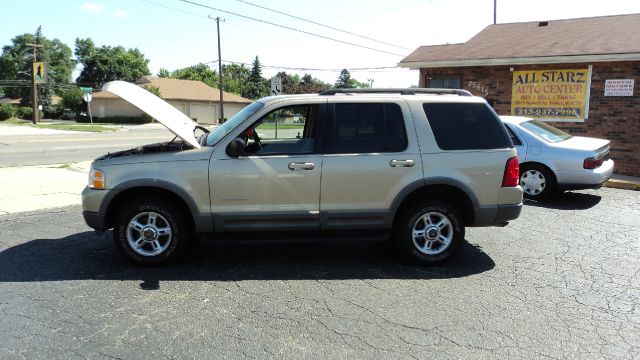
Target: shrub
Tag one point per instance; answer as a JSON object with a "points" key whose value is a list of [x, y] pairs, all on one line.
{"points": [[24, 112], [6, 111], [72, 99], [54, 111], [116, 119]]}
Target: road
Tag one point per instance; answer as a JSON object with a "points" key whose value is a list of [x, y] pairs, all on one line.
{"points": [[71, 147], [562, 281]]}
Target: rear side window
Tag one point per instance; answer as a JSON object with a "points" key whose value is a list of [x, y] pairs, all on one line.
{"points": [[459, 126], [512, 135], [366, 128]]}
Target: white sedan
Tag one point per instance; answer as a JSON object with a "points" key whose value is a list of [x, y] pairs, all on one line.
{"points": [[553, 160]]}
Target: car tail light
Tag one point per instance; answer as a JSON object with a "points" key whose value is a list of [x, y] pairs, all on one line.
{"points": [[592, 162], [511, 176]]}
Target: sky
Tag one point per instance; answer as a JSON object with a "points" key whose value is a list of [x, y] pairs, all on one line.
{"points": [[375, 34]]}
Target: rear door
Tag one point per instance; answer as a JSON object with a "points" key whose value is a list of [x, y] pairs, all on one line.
{"points": [[368, 159]]}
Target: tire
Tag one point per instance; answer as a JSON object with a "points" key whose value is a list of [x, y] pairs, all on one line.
{"points": [[537, 182], [151, 231], [429, 232]]}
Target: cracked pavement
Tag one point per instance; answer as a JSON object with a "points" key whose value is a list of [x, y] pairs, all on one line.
{"points": [[562, 281]]}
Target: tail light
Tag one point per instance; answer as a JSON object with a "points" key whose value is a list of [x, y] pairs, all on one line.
{"points": [[592, 162], [511, 176]]}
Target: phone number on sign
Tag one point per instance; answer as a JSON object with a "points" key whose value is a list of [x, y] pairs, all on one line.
{"points": [[547, 112]]}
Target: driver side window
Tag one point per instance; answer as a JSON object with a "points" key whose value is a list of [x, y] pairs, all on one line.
{"points": [[287, 130]]}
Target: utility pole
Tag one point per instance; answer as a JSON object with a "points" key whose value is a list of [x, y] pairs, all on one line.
{"points": [[370, 80], [35, 117], [495, 5], [220, 72]]}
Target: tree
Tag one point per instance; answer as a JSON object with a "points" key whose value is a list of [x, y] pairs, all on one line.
{"points": [[294, 84], [290, 83], [235, 79], [106, 63], [344, 80], [72, 99], [200, 72], [257, 84], [153, 89], [15, 64], [164, 73], [310, 85]]}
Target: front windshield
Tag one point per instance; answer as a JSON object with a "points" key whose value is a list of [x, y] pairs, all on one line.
{"points": [[545, 131], [217, 134]]}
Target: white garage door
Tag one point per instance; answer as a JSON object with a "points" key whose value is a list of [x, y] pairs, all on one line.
{"points": [[179, 106], [204, 114], [232, 109]]}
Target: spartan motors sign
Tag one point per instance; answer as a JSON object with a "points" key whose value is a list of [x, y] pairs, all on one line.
{"points": [[556, 95]]}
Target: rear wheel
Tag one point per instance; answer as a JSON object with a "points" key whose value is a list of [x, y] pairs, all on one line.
{"points": [[429, 233], [537, 182], [151, 231]]}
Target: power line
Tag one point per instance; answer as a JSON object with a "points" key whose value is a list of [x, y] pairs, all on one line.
{"points": [[311, 69], [290, 28], [249, 65], [319, 24], [176, 9]]}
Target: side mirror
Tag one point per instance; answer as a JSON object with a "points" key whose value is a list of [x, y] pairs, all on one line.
{"points": [[235, 148]]}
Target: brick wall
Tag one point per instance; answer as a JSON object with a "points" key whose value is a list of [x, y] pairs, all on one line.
{"points": [[613, 118]]}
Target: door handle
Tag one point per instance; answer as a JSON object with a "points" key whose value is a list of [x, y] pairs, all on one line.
{"points": [[402, 163], [301, 166]]}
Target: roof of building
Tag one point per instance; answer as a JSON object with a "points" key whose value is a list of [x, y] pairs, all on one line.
{"points": [[604, 38], [7, 100], [189, 90]]}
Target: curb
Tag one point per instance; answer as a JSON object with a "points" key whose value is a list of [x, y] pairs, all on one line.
{"points": [[622, 184]]}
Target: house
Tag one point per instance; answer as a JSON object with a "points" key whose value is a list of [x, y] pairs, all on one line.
{"points": [[196, 99], [579, 74]]}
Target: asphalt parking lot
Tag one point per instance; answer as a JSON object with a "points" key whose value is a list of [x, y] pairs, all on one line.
{"points": [[562, 281]]}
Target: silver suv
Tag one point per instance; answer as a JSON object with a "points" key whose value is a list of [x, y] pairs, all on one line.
{"points": [[414, 166]]}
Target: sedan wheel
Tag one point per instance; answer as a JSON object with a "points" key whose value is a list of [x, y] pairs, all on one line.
{"points": [[536, 181]]}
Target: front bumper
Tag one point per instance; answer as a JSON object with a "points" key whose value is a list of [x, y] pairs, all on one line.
{"points": [[94, 220], [94, 207]]}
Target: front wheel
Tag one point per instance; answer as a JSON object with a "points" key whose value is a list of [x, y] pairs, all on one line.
{"points": [[151, 231], [429, 233]]}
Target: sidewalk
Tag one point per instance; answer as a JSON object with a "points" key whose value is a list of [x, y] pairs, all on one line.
{"points": [[28, 188]]}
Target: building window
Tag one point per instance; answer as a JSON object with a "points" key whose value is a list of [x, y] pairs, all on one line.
{"points": [[444, 82]]}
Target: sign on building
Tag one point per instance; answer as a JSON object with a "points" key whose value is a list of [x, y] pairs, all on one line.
{"points": [[276, 85], [40, 72], [555, 95], [620, 87]]}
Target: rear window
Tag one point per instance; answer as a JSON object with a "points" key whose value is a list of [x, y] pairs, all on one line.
{"points": [[459, 126], [545, 131]]}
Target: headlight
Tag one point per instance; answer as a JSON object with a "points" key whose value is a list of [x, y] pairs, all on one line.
{"points": [[97, 179]]}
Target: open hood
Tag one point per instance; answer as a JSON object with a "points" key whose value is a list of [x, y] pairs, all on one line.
{"points": [[173, 119]]}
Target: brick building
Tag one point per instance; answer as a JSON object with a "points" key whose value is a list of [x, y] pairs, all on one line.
{"points": [[504, 61]]}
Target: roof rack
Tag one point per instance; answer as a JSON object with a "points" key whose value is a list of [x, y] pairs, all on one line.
{"points": [[401, 91]]}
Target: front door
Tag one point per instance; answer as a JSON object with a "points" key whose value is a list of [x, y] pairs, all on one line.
{"points": [[276, 184]]}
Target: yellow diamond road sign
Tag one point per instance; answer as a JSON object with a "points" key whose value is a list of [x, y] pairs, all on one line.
{"points": [[40, 72]]}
